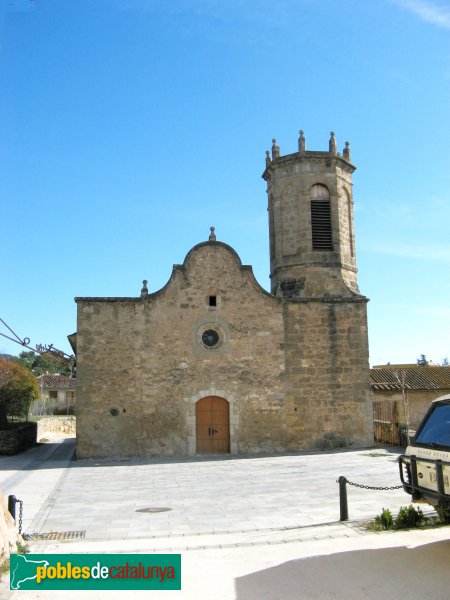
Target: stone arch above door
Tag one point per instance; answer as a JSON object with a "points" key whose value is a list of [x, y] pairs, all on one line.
{"points": [[191, 418]]}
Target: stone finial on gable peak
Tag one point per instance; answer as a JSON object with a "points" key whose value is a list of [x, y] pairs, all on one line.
{"points": [[212, 235], [144, 290], [332, 143], [346, 151], [301, 141], [268, 160], [275, 149]]}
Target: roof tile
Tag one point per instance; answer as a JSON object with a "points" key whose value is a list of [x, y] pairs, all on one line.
{"points": [[57, 382], [416, 377]]}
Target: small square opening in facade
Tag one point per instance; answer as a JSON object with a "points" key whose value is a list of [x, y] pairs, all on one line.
{"points": [[213, 301]]}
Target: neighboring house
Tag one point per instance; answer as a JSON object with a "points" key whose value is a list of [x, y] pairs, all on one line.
{"points": [[212, 363], [56, 396], [395, 386]]}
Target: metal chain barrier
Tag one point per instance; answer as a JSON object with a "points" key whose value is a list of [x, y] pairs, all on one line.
{"points": [[369, 487], [342, 481], [20, 515], [12, 501]]}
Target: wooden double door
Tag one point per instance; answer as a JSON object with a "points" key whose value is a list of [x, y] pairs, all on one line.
{"points": [[212, 415]]}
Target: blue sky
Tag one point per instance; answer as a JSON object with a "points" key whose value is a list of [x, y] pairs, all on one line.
{"points": [[129, 127]]}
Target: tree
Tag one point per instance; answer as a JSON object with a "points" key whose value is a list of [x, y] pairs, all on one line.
{"points": [[400, 376], [18, 387], [444, 362], [40, 364], [422, 361]]}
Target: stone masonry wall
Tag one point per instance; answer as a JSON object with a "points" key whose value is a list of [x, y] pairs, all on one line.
{"points": [[142, 365], [327, 374], [56, 424]]}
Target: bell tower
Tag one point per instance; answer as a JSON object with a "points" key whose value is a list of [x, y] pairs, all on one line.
{"points": [[311, 227], [328, 399]]}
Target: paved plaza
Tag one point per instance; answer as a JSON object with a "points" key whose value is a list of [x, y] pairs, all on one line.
{"points": [[228, 517], [109, 500]]}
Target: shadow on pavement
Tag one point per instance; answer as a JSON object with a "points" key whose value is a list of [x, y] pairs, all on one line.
{"points": [[46, 455], [412, 573], [49, 452]]}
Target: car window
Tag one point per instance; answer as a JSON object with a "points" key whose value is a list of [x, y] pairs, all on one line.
{"points": [[436, 429]]}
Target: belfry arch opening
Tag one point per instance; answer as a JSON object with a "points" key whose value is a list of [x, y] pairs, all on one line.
{"points": [[321, 218]]}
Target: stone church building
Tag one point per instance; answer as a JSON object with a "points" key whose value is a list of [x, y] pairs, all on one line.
{"points": [[212, 363]]}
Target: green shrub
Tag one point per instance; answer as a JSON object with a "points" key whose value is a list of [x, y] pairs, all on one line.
{"points": [[385, 520], [443, 513], [408, 516], [18, 387]]}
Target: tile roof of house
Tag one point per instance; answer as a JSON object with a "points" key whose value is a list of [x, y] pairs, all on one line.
{"points": [[58, 382], [389, 377]]}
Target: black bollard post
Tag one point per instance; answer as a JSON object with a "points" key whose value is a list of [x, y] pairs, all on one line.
{"points": [[343, 498], [12, 506]]}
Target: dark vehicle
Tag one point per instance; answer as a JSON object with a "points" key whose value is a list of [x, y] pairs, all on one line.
{"points": [[425, 466]]}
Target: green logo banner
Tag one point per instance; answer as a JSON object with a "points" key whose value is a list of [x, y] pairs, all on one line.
{"points": [[95, 572]]}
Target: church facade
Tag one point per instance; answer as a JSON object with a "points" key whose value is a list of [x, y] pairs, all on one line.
{"points": [[212, 363]]}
